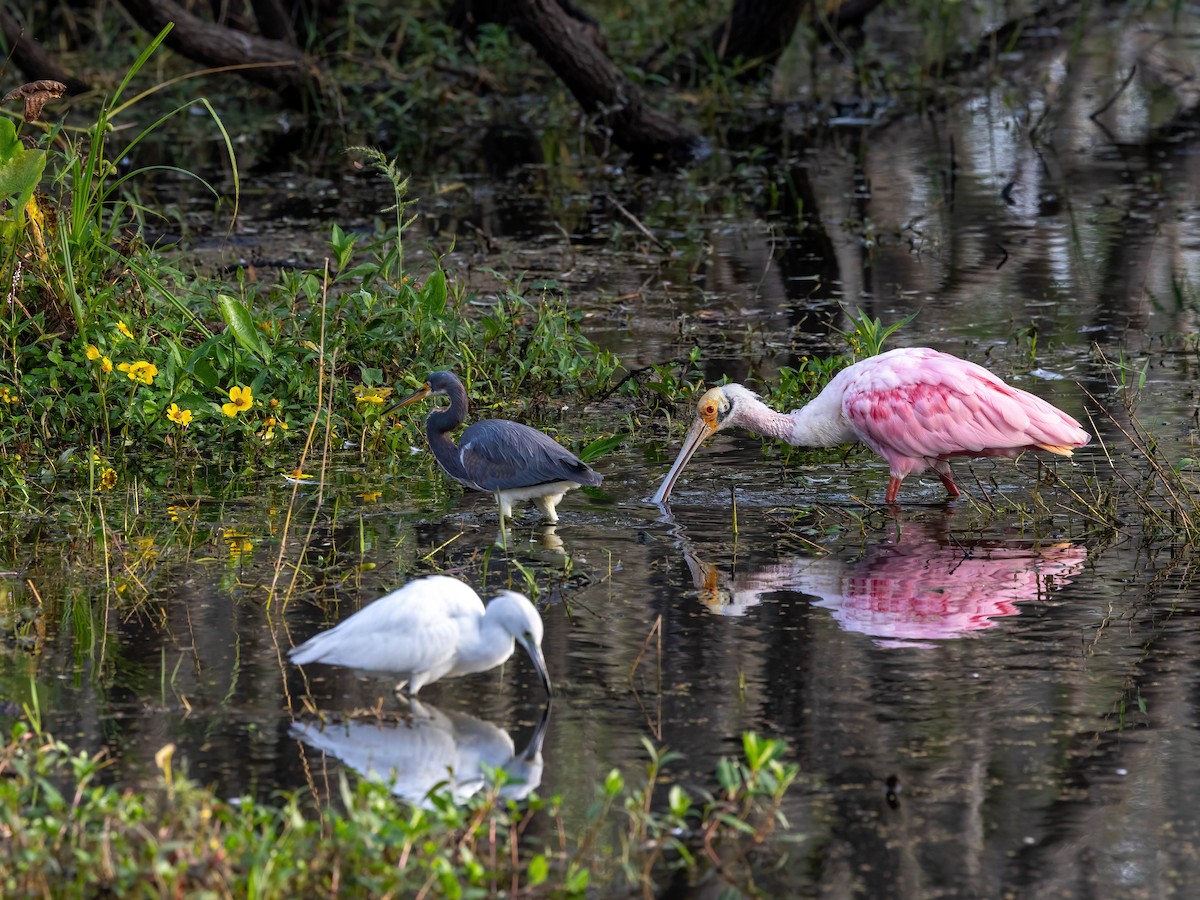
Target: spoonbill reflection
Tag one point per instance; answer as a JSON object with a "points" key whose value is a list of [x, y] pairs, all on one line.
{"points": [[434, 627], [431, 749], [915, 407], [508, 459], [920, 587]]}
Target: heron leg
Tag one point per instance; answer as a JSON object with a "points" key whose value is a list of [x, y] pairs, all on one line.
{"points": [[505, 507], [546, 504]]}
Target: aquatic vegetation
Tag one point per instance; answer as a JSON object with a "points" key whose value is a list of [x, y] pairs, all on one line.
{"points": [[64, 829], [314, 348]]}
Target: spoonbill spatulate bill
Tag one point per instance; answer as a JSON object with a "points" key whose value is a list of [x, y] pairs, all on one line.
{"points": [[917, 408], [432, 628], [508, 459]]}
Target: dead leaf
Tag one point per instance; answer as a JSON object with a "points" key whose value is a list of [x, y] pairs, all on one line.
{"points": [[36, 94]]}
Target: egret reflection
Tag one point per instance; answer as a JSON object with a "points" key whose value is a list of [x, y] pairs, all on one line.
{"points": [[921, 586], [429, 750]]}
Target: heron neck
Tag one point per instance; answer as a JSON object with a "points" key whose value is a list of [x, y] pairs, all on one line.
{"points": [[438, 425]]}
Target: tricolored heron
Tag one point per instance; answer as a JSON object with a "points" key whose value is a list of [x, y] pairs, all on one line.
{"points": [[915, 407], [511, 460], [432, 628]]}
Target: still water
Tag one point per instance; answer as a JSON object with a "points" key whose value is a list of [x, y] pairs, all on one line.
{"points": [[995, 695]]}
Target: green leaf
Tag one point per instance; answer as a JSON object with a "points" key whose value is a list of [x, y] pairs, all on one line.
{"points": [[577, 881], [241, 323], [601, 447], [538, 870], [20, 169], [735, 823], [678, 801], [613, 783], [434, 293]]}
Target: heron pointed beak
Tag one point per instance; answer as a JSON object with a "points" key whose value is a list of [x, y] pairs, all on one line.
{"points": [[697, 435], [539, 663], [420, 394]]}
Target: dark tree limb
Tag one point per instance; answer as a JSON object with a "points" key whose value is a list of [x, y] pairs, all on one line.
{"points": [[844, 14], [274, 64], [756, 33], [274, 21], [602, 89], [33, 61]]}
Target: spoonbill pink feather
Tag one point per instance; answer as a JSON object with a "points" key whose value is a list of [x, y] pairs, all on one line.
{"points": [[915, 407]]}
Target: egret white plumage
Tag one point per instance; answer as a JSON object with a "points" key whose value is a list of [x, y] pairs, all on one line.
{"points": [[508, 459], [915, 407], [432, 628]]}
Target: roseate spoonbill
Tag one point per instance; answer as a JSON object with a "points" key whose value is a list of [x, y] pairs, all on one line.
{"points": [[915, 407], [511, 460], [434, 627]]}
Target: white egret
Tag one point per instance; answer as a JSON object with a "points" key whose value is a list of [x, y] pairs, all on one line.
{"points": [[434, 627]]}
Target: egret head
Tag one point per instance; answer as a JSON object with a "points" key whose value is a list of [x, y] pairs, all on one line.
{"points": [[515, 614], [718, 408]]}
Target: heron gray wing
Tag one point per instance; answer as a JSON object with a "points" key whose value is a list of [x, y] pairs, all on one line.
{"points": [[499, 455]]}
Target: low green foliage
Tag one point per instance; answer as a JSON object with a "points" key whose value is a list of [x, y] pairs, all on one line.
{"points": [[110, 357], [66, 832]]}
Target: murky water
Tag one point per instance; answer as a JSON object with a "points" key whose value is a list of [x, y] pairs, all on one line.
{"points": [[987, 696]]}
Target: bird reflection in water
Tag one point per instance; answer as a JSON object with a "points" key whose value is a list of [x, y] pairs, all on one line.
{"points": [[918, 587], [430, 750]]}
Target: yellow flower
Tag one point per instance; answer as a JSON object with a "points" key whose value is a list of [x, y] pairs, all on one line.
{"points": [[124, 329], [108, 480], [92, 352], [7, 396], [268, 430], [240, 400], [181, 417], [106, 365], [372, 395], [371, 496], [139, 371]]}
